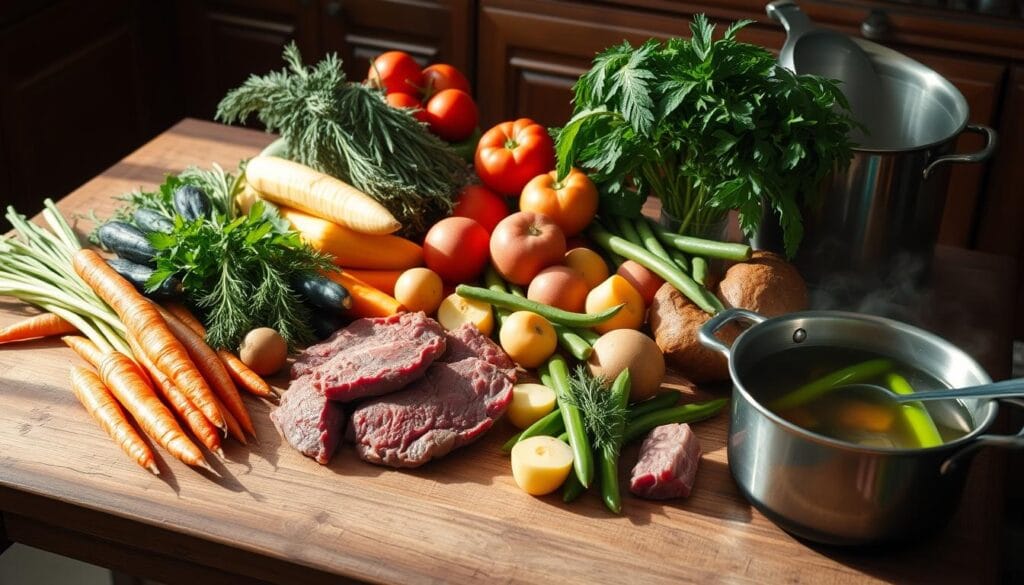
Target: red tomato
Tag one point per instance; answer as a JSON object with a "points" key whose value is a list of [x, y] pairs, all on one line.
{"points": [[512, 153], [457, 248], [480, 203], [404, 100], [442, 76], [452, 115], [396, 71]]}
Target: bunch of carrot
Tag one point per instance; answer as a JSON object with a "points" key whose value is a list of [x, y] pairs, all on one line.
{"points": [[145, 359]]}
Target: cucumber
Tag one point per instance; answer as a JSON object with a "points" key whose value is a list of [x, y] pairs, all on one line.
{"points": [[137, 274], [191, 202], [127, 241], [150, 220], [323, 293], [325, 323]]}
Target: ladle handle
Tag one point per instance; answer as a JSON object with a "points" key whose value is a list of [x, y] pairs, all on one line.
{"points": [[986, 152], [706, 335], [1009, 441], [1014, 387]]}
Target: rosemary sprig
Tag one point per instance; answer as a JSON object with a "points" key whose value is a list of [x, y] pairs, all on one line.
{"points": [[349, 131]]}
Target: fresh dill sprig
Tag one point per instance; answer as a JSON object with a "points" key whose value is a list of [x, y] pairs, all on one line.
{"points": [[349, 131], [603, 417]]}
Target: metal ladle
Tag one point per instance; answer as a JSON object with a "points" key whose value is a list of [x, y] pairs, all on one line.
{"points": [[1006, 388]]}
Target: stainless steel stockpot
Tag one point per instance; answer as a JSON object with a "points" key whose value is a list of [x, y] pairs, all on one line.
{"points": [[835, 492]]}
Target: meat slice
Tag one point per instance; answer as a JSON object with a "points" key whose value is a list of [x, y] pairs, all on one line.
{"points": [[467, 341], [668, 463], [372, 357], [308, 421], [450, 407]]}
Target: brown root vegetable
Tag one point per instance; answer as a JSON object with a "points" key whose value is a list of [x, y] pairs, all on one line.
{"points": [[765, 284], [675, 322]]}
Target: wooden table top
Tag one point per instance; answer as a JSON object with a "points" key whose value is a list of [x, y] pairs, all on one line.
{"points": [[270, 514]]}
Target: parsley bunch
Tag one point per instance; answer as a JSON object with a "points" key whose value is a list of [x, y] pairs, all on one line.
{"points": [[706, 126]]}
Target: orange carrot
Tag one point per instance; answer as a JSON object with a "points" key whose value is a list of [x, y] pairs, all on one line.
{"points": [[212, 369], [102, 406], [180, 403], [240, 373], [367, 301], [85, 349], [144, 323], [383, 280], [43, 325], [234, 429], [127, 383]]}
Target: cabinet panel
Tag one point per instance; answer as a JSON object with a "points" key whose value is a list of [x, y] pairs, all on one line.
{"points": [[223, 42], [359, 30]]}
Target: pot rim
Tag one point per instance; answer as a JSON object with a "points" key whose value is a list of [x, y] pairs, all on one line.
{"points": [[979, 429]]}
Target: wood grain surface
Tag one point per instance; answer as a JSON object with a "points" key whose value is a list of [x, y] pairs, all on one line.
{"points": [[270, 514]]}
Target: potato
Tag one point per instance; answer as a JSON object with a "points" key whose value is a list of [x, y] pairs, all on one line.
{"points": [[616, 290], [263, 350], [527, 338], [529, 403], [455, 310], [419, 289], [628, 348], [675, 322], [541, 464]]}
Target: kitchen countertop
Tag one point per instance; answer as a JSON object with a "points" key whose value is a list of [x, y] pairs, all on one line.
{"points": [[269, 514]]}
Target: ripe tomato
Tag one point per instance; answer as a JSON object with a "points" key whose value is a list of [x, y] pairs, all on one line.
{"points": [[396, 71], [456, 248], [442, 76], [452, 115], [571, 203], [525, 243], [404, 100], [512, 153], [480, 203]]}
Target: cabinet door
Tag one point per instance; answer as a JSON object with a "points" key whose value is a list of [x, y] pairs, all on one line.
{"points": [[981, 82], [532, 51], [71, 101], [223, 42], [431, 31]]}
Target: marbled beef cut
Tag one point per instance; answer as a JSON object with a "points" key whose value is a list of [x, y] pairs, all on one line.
{"points": [[367, 358], [668, 463]]}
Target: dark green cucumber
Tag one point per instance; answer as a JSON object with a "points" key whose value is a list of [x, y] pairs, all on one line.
{"points": [[191, 202], [150, 220], [127, 241], [323, 293], [138, 274], [325, 323]]}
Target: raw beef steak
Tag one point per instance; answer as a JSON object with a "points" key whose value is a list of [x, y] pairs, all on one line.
{"points": [[668, 463], [467, 341], [372, 357], [307, 420]]}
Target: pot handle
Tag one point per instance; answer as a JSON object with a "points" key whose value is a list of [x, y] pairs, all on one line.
{"points": [[706, 335], [986, 152], [1009, 441]]}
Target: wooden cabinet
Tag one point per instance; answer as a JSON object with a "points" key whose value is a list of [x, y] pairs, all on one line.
{"points": [[222, 42], [79, 89], [432, 32]]}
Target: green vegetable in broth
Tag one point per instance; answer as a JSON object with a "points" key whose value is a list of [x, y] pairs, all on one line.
{"points": [[854, 374], [918, 419]]}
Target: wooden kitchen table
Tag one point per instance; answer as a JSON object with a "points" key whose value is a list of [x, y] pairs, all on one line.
{"points": [[270, 514]]}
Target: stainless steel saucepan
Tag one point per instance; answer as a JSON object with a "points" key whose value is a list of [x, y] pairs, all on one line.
{"points": [[836, 492]]}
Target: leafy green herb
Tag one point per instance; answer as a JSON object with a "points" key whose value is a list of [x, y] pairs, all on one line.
{"points": [[707, 126], [349, 131], [603, 416]]}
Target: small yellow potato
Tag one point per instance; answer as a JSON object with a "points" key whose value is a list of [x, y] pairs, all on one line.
{"points": [[455, 310], [541, 464], [419, 289], [529, 403], [527, 338]]}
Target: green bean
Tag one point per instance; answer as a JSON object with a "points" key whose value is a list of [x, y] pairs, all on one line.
{"points": [[854, 374], [700, 269], [588, 335], [627, 230], [548, 425], [650, 241], [915, 413], [662, 400], [572, 488], [493, 281], [702, 247], [583, 460], [610, 451], [667, 270], [516, 290], [686, 413], [572, 342], [680, 259], [553, 314], [564, 437]]}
